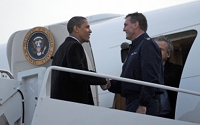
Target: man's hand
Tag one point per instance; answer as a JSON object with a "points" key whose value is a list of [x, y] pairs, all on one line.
{"points": [[141, 109], [106, 86]]}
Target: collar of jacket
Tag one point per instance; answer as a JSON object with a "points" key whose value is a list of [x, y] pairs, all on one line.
{"points": [[74, 38], [138, 39]]}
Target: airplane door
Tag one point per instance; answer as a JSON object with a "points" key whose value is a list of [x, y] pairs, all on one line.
{"points": [[91, 66]]}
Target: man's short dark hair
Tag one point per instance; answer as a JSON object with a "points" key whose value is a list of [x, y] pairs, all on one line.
{"points": [[75, 21], [139, 17]]}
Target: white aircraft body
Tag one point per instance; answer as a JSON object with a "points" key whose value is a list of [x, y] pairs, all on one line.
{"points": [[25, 78]]}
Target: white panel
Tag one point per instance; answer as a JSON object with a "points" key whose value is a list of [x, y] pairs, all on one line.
{"points": [[18, 60], [7, 89], [188, 106], [56, 112], [12, 109], [106, 99], [31, 85]]}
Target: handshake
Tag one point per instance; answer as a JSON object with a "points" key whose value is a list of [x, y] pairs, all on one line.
{"points": [[106, 86]]}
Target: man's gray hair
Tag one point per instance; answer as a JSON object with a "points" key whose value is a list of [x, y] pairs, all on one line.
{"points": [[165, 39]]}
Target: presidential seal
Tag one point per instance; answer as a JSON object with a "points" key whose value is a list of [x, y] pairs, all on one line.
{"points": [[38, 45]]}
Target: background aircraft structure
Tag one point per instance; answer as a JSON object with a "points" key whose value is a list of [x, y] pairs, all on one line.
{"points": [[25, 84]]}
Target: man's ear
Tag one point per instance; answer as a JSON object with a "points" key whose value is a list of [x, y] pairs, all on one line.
{"points": [[136, 24], [168, 55], [75, 29]]}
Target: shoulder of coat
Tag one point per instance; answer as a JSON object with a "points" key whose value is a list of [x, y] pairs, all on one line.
{"points": [[148, 38]]}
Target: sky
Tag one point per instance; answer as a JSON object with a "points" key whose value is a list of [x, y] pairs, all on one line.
{"points": [[25, 14]]}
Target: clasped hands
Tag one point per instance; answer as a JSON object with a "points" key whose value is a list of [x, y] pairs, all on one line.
{"points": [[106, 86]]}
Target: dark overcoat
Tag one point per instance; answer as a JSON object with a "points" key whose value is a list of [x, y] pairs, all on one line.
{"points": [[69, 86]]}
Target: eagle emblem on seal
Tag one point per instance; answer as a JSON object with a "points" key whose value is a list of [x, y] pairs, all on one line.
{"points": [[38, 46]]}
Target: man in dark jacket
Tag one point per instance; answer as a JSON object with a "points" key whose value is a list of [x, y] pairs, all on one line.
{"points": [[172, 75], [69, 86], [143, 62]]}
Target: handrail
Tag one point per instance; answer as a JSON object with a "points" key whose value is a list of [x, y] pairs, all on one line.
{"points": [[49, 69], [7, 72]]}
